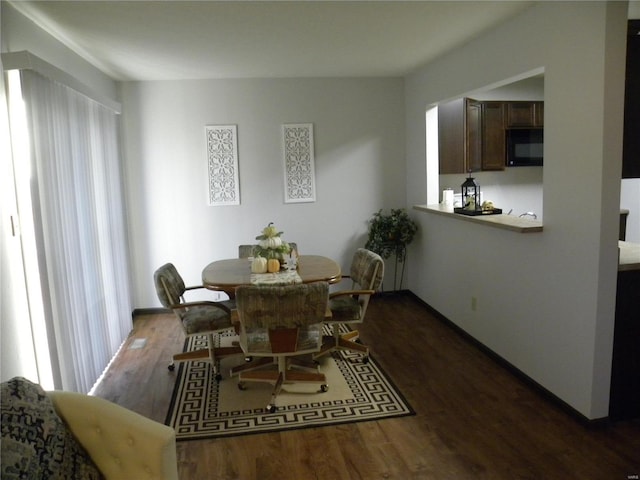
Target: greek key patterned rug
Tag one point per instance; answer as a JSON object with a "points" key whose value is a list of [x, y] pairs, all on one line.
{"points": [[203, 408]]}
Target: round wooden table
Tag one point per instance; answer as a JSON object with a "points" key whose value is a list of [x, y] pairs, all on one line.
{"points": [[226, 275]]}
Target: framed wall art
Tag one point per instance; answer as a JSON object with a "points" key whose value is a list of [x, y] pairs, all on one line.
{"points": [[299, 167], [222, 164]]}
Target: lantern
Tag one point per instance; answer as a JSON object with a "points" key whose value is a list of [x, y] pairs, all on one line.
{"points": [[471, 195]]}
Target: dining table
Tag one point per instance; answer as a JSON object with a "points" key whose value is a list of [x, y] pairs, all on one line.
{"points": [[225, 275]]}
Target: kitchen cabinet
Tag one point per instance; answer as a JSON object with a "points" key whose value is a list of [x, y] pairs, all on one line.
{"points": [[493, 136], [525, 114], [459, 136], [631, 139], [472, 134]]}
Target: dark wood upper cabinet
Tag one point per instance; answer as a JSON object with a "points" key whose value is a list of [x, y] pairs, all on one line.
{"points": [[451, 142], [472, 134], [493, 136], [525, 114], [459, 136], [631, 139]]}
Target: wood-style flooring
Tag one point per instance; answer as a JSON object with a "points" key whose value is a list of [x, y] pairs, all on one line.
{"points": [[474, 418]]}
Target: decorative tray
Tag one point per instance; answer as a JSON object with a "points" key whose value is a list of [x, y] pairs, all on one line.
{"points": [[475, 213]]}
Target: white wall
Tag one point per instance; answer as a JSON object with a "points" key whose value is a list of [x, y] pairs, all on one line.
{"points": [[359, 159], [545, 301]]}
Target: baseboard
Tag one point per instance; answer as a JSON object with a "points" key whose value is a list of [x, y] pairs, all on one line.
{"points": [[590, 423], [396, 292], [149, 311]]}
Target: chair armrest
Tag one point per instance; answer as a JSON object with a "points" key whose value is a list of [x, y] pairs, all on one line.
{"points": [[202, 287], [342, 293], [194, 287], [122, 443], [202, 303]]}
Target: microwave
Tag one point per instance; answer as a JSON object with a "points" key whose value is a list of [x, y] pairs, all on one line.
{"points": [[524, 147]]}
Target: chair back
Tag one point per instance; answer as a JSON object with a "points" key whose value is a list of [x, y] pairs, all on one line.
{"points": [[367, 272], [246, 251], [367, 269], [169, 285], [281, 319]]}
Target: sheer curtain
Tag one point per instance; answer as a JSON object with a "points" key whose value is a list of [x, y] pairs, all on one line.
{"points": [[80, 228]]}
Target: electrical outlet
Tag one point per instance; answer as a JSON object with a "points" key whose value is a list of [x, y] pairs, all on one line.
{"points": [[474, 303]]}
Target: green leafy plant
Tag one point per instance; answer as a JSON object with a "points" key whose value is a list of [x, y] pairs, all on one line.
{"points": [[389, 235]]}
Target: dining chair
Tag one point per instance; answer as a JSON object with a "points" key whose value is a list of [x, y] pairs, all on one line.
{"points": [[246, 251], [204, 318], [350, 306], [280, 323]]}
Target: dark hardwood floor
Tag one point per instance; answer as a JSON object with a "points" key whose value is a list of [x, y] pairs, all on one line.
{"points": [[474, 418]]}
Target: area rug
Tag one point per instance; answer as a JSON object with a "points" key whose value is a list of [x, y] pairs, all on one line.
{"points": [[203, 408]]}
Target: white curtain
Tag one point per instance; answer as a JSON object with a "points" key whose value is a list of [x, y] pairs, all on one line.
{"points": [[80, 227]]}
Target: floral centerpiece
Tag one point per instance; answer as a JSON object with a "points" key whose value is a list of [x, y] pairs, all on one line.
{"points": [[271, 246]]}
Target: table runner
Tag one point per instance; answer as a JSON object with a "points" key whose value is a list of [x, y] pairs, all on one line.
{"points": [[285, 277]]}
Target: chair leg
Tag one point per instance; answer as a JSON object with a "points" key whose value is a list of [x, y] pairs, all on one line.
{"points": [[280, 374], [212, 357], [211, 353], [271, 407], [252, 365], [344, 341]]}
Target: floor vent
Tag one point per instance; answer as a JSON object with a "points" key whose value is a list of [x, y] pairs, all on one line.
{"points": [[138, 343]]}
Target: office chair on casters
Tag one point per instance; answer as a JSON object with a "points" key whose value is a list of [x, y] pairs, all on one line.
{"points": [[350, 306], [196, 318], [246, 251], [280, 323]]}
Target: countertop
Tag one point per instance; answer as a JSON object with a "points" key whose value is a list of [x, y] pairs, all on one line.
{"points": [[505, 222], [629, 256]]}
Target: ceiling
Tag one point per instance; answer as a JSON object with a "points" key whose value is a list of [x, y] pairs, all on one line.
{"points": [[173, 40]]}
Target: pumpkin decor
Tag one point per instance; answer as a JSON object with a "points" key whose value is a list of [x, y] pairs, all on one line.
{"points": [[271, 246], [273, 265], [259, 265]]}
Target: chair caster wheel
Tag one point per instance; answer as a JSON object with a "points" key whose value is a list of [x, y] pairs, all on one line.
{"points": [[271, 408], [241, 386], [218, 377], [324, 388], [171, 367]]}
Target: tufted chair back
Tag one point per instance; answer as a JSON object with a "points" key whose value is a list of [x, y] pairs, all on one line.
{"points": [[263, 309], [367, 269], [246, 251], [169, 285]]}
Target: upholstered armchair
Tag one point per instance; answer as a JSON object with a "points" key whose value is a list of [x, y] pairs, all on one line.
{"points": [[279, 323], [349, 307], [196, 318]]}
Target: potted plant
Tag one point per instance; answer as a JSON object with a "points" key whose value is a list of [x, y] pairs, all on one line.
{"points": [[389, 235]]}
